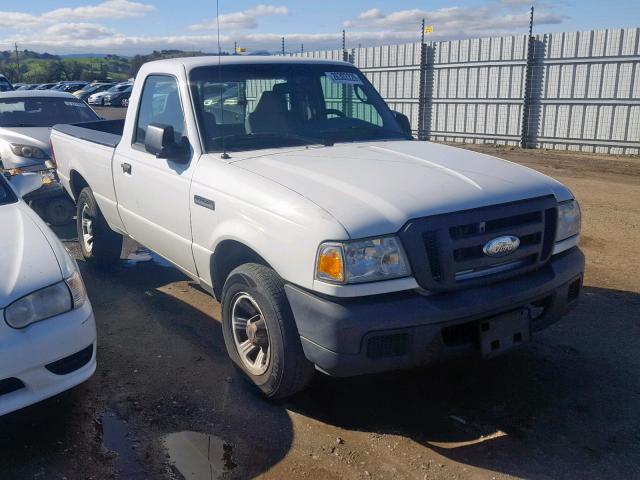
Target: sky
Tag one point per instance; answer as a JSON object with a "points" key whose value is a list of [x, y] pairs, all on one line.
{"points": [[139, 26]]}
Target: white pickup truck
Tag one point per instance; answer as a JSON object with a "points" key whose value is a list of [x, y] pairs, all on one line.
{"points": [[291, 192]]}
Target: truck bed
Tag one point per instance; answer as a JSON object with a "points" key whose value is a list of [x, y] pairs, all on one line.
{"points": [[85, 151], [102, 132]]}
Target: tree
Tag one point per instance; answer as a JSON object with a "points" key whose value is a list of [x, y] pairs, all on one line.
{"points": [[135, 63], [74, 69], [56, 71]]}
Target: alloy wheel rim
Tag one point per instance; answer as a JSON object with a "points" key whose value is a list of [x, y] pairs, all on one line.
{"points": [[250, 334], [87, 229]]}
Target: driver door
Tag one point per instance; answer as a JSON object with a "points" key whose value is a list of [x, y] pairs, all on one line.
{"points": [[153, 193]]}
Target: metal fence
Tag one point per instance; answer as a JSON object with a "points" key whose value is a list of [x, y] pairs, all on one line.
{"points": [[570, 90]]}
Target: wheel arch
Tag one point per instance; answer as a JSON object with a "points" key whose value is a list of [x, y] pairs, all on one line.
{"points": [[76, 184], [228, 255]]}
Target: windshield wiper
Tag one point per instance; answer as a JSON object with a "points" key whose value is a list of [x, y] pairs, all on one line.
{"points": [[17, 125], [257, 136]]}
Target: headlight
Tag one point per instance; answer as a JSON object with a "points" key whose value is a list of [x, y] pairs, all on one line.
{"points": [[360, 261], [28, 151], [569, 219], [47, 302]]}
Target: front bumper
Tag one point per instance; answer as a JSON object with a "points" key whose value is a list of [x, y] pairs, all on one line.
{"points": [[29, 358], [407, 329]]}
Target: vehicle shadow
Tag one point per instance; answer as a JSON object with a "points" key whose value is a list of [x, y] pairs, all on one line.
{"points": [[164, 348], [564, 406], [162, 369]]}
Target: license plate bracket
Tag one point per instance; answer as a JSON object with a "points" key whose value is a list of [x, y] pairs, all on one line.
{"points": [[503, 332]]}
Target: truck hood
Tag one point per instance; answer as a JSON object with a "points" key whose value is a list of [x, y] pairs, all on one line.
{"points": [[374, 188], [27, 259], [33, 136]]}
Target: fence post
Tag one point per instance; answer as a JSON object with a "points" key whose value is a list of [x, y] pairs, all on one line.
{"points": [[421, 91], [528, 88]]}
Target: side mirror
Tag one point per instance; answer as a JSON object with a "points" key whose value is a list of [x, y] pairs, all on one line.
{"points": [[159, 140], [404, 123], [26, 183]]}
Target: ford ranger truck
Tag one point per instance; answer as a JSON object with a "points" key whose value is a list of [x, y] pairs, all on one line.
{"points": [[335, 242]]}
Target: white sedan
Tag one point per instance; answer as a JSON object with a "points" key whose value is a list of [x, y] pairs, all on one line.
{"points": [[47, 328], [26, 118]]}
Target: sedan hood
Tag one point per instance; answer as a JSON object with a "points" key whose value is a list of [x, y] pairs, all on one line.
{"points": [[375, 188], [27, 260], [33, 136]]}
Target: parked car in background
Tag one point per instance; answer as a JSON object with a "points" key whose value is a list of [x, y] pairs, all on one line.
{"points": [[98, 98], [27, 86], [26, 118], [92, 89], [46, 86], [332, 239], [69, 86], [47, 327], [5, 84], [119, 98]]}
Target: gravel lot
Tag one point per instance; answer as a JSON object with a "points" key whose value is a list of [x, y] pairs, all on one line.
{"points": [[565, 406]]}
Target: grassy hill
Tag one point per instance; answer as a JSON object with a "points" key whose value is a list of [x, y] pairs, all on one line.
{"points": [[43, 67]]}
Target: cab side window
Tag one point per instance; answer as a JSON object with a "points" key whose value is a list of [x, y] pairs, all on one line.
{"points": [[160, 103]]}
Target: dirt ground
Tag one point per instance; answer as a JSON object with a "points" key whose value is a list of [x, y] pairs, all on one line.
{"points": [[564, 406]]}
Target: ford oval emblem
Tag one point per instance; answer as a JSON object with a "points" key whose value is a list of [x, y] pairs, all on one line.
{"points": [[501, 246]]}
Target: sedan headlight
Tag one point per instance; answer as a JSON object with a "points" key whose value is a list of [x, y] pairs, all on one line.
{"points": [[569, 220], [48, 302], [360, 261], [28, 151]]}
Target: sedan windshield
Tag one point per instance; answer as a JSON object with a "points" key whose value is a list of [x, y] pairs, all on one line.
{"points": [[119, 88], [43, 111], [242, 107]]}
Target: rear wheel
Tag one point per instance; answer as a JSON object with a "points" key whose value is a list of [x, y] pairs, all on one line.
{"points": [[260, 332], [100, 245]]}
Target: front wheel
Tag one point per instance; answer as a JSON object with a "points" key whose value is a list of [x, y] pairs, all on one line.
{"points": [[260, 332], [99, 244]]}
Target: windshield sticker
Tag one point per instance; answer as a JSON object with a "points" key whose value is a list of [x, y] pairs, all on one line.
{"points": [[74, 104], [344, 78]]}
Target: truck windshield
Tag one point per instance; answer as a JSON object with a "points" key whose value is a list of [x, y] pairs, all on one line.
{"points": [[43, 111], [242, 107]]}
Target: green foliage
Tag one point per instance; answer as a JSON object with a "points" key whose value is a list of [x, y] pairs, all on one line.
{"points": [[45, 68]]}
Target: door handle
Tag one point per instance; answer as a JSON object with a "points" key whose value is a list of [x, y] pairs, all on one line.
{"points": [[126, 168]]}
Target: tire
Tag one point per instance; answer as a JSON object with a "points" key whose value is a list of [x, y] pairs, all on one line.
{"points": [[287, 371], [59, 211], [105, 246]]}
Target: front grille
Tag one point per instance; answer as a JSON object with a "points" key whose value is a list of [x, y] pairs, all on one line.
{"points": [[10, 385], [446, 251], [72, 362]]}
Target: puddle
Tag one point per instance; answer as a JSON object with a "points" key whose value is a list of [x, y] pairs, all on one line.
{"points": [[117, 438], [199, 456]]}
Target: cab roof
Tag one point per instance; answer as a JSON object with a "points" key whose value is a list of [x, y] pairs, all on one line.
{"points": [[190, 63]]}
